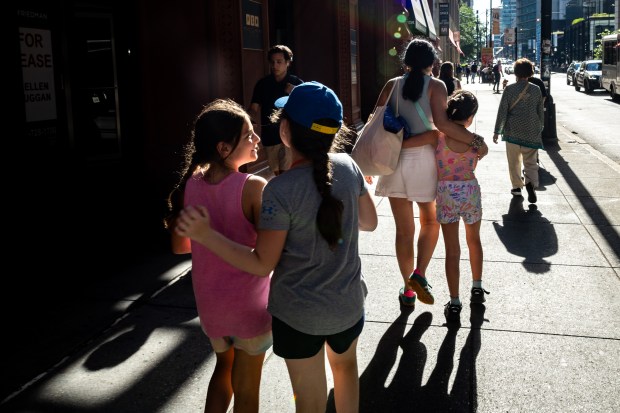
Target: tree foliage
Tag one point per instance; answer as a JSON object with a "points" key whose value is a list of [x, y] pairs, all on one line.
{"points": [[469, 43], [598, 50]]}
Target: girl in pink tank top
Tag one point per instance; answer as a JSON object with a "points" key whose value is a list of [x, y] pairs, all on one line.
{"points": [[232, 304]]}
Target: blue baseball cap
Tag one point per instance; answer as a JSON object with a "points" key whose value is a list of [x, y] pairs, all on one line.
{"points": [[310, 102]]}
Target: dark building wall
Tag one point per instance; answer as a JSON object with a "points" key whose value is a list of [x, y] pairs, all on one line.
{"points": [[171, 59], [84, 207]]}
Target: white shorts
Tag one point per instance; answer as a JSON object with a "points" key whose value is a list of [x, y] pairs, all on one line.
{"points": [[415, 177], [253, 346]]}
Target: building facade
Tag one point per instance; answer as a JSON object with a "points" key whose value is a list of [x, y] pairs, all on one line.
{"points": [[105, 93]]}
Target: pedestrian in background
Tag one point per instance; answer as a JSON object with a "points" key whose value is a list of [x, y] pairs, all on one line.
{"points": [[266, 91], [467, 73], [239, 330], [446, 75], [308, 235], [474, 71], [422, 102], [541, 85], [498, 73], [520, 121]]}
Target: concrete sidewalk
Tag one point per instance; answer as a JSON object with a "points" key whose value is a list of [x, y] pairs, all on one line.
{"points": [[547, 340]]}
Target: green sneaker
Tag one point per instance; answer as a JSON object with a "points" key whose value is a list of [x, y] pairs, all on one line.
{"points": [[407, 298], [422, 288]]}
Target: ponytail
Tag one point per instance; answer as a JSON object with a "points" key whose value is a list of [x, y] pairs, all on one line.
{"points": [[316, 147]]}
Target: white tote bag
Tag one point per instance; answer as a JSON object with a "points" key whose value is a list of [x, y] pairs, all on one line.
{"points": [[376, 151]]}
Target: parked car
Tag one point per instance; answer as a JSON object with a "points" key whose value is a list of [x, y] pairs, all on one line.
{"points": [[570, 72], [588, 76]]}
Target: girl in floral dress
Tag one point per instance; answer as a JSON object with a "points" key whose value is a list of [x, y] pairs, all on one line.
{"points": [[458, 197]]}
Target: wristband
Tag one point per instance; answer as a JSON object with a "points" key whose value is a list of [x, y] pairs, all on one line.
{"points": [[477, 142]]}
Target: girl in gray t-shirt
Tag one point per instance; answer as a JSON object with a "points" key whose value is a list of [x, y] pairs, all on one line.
{"points": [[308, 236]]}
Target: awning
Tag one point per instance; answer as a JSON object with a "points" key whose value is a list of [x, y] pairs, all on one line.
{"points": [[420, 19]]}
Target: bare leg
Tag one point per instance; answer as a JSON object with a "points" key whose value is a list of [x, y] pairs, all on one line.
{"points": [[472, 232], [309, 382], [402, 210], [246, 375], [346, 379], [220, 389], [453, 256], [429, 234]]}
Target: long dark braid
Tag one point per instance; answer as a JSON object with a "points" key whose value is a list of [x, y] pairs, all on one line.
{"points": [[419, 55], [315, 146]]}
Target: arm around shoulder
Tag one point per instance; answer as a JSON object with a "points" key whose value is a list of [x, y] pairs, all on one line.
{"points": [[439, 105], [195, 223]]}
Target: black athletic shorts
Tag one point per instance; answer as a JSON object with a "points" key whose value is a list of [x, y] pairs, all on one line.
{"points": [[289, 343]]}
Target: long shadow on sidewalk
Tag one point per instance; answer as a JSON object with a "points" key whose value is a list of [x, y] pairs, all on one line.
{"points": [[527, 234], [606, 228], [380, 391]]}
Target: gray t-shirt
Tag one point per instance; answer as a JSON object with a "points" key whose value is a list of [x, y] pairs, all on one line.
{"points": [[314, 289]]}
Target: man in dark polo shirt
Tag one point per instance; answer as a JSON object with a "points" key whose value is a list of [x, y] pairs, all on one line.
{"points": [[266, 91]]}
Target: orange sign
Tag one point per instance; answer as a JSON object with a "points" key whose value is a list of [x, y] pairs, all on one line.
{"points": [[495, 15]]}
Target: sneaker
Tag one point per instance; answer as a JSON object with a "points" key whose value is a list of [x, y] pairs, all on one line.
{"points": [[516, 191], [531, 193], [407, 298], [422, 288], [453, 312], [477, 295]]}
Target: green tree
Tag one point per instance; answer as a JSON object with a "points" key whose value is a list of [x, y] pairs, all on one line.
{"points": [[598, 50], [469, 44]]}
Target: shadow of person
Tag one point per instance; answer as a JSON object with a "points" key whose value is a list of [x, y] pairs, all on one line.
{"points": [[464, 395], [545, 178], [527, 234], [386, 386], [123, 346], [434, 395]]}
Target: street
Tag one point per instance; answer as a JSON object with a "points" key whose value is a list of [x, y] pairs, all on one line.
{"points": [[591, 117]]}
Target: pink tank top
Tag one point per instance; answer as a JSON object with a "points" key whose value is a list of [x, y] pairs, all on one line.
{"points": [[454, 166], [230, 302]]}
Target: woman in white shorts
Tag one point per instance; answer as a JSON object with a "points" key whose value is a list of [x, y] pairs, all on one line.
{"points": [[422, 102]]}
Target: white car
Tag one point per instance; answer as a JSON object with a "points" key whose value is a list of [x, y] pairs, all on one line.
{"points": [[508, 68], [589, 75]]}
